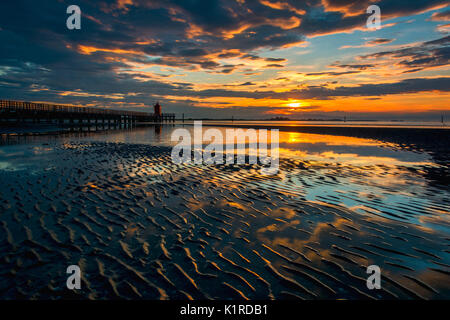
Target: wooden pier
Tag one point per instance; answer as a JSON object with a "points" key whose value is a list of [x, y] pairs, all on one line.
{"points": [[20, 112]]}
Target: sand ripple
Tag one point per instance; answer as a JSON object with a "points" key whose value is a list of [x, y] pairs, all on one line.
{"points": [[142, 227]]}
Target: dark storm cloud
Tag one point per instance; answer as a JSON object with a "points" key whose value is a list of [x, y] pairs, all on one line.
{"points": [[342, 15], [108, 25]]}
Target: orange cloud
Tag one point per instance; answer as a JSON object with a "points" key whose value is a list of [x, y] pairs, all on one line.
{"points": [[282, 6], [90, 49]]}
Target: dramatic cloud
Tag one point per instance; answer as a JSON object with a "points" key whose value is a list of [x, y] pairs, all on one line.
{"points": [[130, 53], [429, 54], [324, 92]]}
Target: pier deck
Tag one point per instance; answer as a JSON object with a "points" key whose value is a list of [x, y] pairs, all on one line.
{"points": [[67, 115]]}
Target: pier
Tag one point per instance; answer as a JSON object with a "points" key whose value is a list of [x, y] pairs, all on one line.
{"points": [[21, 112]]}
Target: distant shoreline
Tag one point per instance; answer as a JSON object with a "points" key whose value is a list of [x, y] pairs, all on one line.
{"points": [[308, 120]]}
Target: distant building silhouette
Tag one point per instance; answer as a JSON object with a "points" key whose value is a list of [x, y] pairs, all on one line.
{"points": [[157, 109]]}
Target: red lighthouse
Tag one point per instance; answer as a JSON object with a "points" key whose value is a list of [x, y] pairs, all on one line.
{"points": [[157, 109]]}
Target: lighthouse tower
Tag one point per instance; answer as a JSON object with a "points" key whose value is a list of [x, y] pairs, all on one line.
{"points": [[157, 109]]}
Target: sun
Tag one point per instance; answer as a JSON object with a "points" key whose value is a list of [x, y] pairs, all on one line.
{"points": [[294, 104]]}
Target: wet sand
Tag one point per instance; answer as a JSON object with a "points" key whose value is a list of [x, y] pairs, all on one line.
{"points": [[142, 227]]}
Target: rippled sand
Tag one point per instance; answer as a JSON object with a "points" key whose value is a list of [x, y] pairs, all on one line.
{"points": [[142, 227]]}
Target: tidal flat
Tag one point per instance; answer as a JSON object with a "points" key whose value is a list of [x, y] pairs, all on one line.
{"points": [[141, 227]]}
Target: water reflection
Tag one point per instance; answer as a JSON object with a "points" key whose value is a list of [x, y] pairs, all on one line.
{"points": [[368, 176]]}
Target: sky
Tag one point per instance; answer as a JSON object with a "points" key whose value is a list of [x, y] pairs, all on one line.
{"points": [[248, 59]]}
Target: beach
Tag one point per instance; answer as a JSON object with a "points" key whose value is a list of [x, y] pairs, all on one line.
{"points": [[142, 227]]}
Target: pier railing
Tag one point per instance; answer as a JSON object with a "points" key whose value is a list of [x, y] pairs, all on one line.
{"points": [[31, 110], [11, 105]]}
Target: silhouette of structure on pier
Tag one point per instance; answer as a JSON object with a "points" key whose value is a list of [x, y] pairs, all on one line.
{"points": [[157, 109], [67, 115]]}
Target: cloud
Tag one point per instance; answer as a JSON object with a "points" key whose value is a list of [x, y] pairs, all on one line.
{"points": [[330, 73], [274, 65], [423, 56], [443, 28], [370, 43], [380, 89], [389, 8], [353, 66], [379, 41], [352, 7], [131, 52], [318, 92], [441, 16]]}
